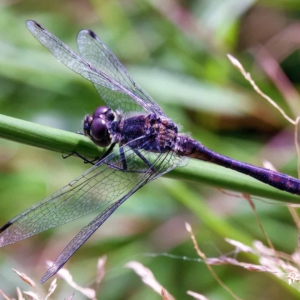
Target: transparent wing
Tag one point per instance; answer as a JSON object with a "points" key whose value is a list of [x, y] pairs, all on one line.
{"points": [[99, 56], [111, 81], [163, 163], [105, 187]]}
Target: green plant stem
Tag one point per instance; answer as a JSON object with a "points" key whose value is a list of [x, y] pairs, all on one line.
{"points": [[197, 171], [47, 137]]}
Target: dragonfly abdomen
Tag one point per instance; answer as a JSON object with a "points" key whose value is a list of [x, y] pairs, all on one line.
{"points": [[193, 149]]}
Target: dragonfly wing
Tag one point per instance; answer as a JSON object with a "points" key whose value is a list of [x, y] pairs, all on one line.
{"points": [[104, 187], [83, 235], [98, 187], [94, 189], [130, 93], [161, 163], [98, 55]]}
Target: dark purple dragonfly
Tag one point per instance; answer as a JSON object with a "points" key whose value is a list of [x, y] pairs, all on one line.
{"points": [[143, 144]]}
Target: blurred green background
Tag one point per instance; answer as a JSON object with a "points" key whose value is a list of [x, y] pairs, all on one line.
{"points": [[176, 50]]}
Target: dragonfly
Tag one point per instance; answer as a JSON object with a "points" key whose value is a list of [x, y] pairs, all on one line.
{"points": [[142, 144]]}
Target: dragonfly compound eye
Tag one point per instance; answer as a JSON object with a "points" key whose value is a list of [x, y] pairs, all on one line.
{"points": [[87, 124], [100, 111], [99, 132]]}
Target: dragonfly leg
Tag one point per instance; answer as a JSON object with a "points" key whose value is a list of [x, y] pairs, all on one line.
{"points": [[124, 167], [123, 159], [108, 151], [138, 153], [65, 156], [143, 158], [122, 154], [85, 160], [90, 161]]}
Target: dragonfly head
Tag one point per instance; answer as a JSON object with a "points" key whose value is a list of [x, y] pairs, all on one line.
{"points": [[95, 126]]}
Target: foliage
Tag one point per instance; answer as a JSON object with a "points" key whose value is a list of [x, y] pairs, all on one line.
{"points": [[176, 50]]}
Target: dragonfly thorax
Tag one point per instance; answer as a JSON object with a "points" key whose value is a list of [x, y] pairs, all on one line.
{"points": [[149, 132], [96, 126]]}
